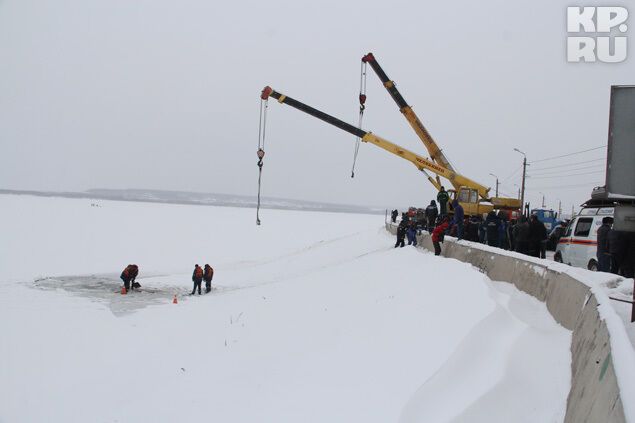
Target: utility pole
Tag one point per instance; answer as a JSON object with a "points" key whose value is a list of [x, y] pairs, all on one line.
{"points": [[543, 201], [496, 183], [522, 190], [559, 209]]}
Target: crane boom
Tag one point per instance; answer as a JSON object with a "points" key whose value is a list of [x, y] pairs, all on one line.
{"points": [[420, 162], [433, 149]]}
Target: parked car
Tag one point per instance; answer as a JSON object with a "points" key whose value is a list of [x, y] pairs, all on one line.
{"points": [[578, 245]]}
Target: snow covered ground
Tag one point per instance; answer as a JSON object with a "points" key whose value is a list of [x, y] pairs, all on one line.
{"points": [[314, 318]]}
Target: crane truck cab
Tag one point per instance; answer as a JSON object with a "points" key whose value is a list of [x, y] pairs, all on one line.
{"points": [[474, 205], [578, 245], [547, 217], [470, 200]]}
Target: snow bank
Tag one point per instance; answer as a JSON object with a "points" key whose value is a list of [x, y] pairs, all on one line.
{"points": [[600, 285], [604, 374], [492, 370]]}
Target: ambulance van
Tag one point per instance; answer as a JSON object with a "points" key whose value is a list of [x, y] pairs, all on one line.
{"points": [[578, 245]]}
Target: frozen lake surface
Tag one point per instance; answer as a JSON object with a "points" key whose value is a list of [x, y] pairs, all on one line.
{"points": [[314, 317]]}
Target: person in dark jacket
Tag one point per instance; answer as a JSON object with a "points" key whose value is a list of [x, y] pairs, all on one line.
{"points": [[128, 277], [411, 233], [442, 198], [467, 228], [431, 215], [437, 235], [458, 219], [492, 222], [503, 241], [197, 278], [602, 253], [537, 236], [521, 236], [393, 216], [510, 234], [628, 262], [471, 230], [420, 220], [401, 234], [208, 275], [618, 246], [482, 231]]}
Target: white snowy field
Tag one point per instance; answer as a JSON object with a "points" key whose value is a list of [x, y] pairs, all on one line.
{"points": [[314, 318]]}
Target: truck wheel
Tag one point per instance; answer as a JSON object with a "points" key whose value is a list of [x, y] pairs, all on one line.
{"points": [[557, 257], [593, 265]]}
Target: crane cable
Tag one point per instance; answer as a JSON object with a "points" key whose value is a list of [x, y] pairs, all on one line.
{"points": [[262, 126], [362, 101]]}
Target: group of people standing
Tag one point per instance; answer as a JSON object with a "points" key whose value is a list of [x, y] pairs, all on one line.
{"points": [[407, 228], [130, 273], [526, 236], [199, 275], [435, 220]]}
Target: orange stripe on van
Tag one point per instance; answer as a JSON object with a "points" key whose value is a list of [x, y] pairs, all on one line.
{"points": [[577, 241]]}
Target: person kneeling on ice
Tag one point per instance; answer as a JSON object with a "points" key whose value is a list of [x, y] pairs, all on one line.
{"points": [[437, 235], [129, 275], [208, 274], [197, 278]]}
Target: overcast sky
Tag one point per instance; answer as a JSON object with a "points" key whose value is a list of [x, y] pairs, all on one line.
{"points": [[165, 95]]}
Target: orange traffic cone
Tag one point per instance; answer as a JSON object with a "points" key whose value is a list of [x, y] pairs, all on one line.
{"points": [[175, 301], [123, 290]]}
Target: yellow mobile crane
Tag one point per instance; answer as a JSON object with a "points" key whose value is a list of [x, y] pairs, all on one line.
{"points": [[468, 188], [470, 194]]}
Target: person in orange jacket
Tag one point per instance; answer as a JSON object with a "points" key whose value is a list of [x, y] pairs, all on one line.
{"points": [[129, 275], [437, 235], [208, 274], [197, 278]]}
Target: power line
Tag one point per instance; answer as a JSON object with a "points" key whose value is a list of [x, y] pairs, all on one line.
{"points": [[569, 164], [566, 171], [504, 193], [567, 155], [512, 174], [566, 176], [558, 187]]}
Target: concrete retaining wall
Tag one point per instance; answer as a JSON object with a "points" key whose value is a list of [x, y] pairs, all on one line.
{"points": [[594, 395]]}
